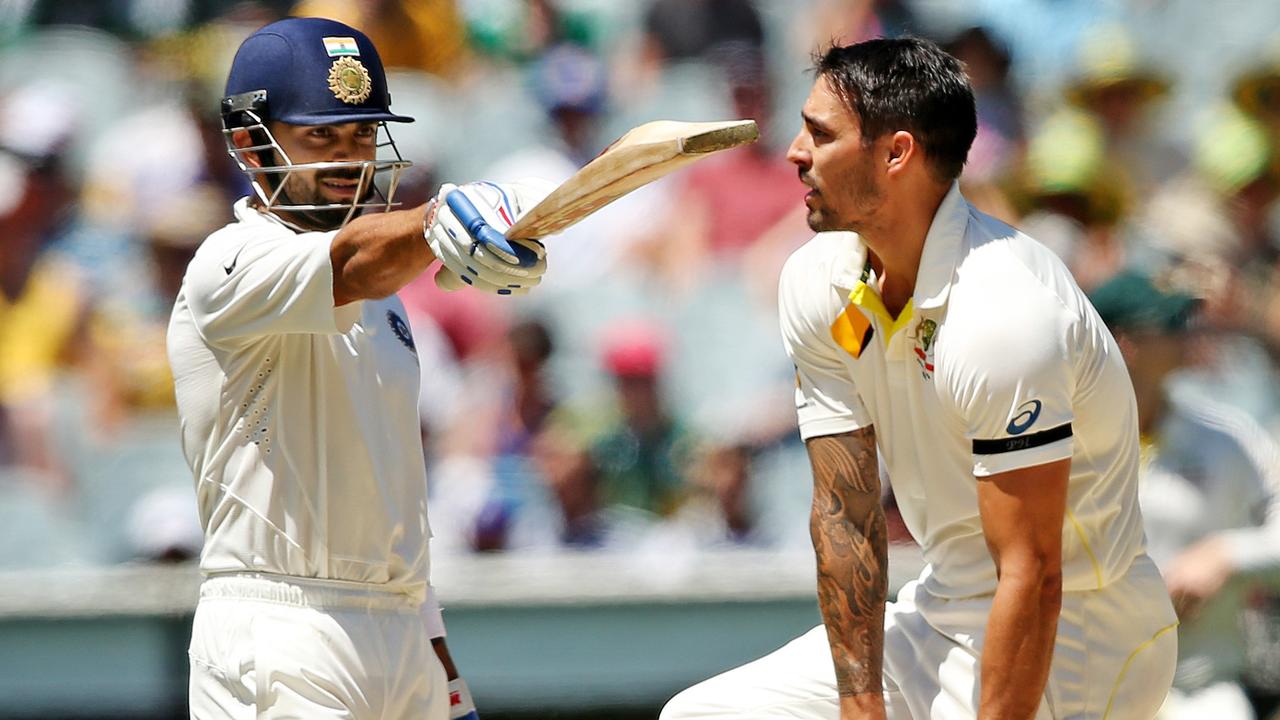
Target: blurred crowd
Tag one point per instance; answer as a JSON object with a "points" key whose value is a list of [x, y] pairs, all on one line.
{"points": [[640, 399]]}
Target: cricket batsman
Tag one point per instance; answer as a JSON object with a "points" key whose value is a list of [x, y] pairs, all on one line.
{"points": [[297, 387]]}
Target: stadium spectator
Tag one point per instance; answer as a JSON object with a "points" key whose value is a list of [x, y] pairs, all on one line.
{"points": [[129, 364], [571, 86], [1070, 199], [723, 208], [525, 402], [1256, 90], [574, 482], [426, 35], [642, 452], [1001, 139], [1210, 496], [1214, 228], [682, 30], [1119, 86], [44, 312], [720, 510]]}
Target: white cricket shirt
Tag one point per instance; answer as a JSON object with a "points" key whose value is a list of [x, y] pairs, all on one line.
{"points": [[998, 362], [299, 419]]}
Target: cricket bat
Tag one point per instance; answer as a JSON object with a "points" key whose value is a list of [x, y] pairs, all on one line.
{"points": [[643, 155]]}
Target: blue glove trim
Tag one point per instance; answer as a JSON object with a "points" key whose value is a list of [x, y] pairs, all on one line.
{"points": [[483, 232]]}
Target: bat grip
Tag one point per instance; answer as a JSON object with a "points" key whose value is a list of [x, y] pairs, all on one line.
{"points": [[476, 227]]}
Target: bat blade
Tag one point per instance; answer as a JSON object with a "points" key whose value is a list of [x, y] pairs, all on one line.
{"points": [[643, 155]]}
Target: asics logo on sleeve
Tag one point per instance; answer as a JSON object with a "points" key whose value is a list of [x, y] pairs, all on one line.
{"points": [[1026, 417]]}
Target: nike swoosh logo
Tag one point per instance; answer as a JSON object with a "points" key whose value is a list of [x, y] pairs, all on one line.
{"points": [[234, 260]]}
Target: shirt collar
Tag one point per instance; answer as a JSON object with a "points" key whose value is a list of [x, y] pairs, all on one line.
{"points": [[849, 272], [247, 213], [941, 250]]}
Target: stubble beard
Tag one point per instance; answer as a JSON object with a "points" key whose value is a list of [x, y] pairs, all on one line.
{"points": [[865, 196], [300, 189]]}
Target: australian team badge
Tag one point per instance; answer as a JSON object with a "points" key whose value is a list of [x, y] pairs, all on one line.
{"points": [[925, 332]]}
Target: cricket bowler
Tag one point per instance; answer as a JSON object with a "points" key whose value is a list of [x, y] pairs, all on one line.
{"points": [[297, 385], [962, 353]]}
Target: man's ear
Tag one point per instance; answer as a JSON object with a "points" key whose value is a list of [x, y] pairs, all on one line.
{"points": [[242, 139], [902, 152]]}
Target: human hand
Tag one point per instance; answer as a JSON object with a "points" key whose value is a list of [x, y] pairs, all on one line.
{"points": [[465, 229], [1197, 574]]}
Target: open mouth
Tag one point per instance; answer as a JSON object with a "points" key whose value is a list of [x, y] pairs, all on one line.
{"points": [[807, 182], [344, 188]]}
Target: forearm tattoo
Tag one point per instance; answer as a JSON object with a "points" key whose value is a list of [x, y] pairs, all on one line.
{"points": [[849, 538]]}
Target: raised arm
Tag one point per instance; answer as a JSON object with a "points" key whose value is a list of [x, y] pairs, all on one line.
{"points": [[374, 256], [849, 539], [1022, 514]]}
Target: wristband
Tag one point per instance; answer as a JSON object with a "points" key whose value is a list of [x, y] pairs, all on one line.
{"points": [[461, 706]]}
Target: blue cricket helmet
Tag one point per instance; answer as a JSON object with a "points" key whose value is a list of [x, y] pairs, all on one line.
{"points": [[310, 71]]}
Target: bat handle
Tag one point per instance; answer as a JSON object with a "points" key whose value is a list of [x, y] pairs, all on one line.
{"points": [[474, 222]]}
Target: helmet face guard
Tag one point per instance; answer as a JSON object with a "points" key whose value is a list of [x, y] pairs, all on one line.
{"points": [[246, 112]]}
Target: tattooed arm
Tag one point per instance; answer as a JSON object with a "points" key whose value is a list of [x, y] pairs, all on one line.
{"points": [[848, 530]]}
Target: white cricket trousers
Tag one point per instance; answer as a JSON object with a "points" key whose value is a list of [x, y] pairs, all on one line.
{"points": [[1113, 660], [273, 647]]}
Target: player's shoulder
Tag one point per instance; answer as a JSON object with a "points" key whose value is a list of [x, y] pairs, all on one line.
{"points": [[220, 253], [1002, 267], [823, 257], [1013, 309], [809, 285]]}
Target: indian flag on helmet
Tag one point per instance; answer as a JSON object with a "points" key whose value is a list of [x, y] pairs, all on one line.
{"points": [[336, 46]]}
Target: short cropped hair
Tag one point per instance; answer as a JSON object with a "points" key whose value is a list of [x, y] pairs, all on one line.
{"points": [[907, 84]]}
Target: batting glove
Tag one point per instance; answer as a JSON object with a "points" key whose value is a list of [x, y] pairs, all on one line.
{"points": [[461, 706], [467, 234]]}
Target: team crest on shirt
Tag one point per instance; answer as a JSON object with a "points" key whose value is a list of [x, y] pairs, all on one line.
{"points": [[401, 329], [925, 332]]}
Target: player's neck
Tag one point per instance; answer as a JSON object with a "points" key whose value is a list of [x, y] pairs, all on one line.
{"points": [[897, 244]]}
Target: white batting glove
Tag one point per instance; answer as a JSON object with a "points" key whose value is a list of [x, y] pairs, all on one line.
{"points": [[467, 234]]}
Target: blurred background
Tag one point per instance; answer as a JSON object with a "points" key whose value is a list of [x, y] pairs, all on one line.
{"points": [[618, 493]]}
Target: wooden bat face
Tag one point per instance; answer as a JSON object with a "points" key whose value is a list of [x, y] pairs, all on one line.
{"points": [[643, 155]]}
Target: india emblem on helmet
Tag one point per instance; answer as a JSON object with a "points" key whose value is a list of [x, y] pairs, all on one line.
{"points": [[350, 81]]}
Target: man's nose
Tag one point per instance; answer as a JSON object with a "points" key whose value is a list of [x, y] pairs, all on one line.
{"points": [[798, 152], [345, 147]]}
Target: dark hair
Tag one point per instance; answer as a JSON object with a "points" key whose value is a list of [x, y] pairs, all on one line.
{"points": [[906, 84]]}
